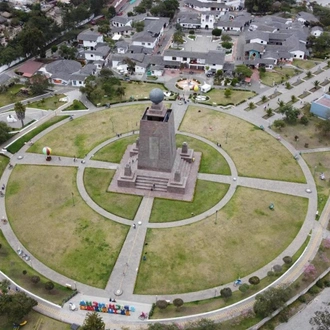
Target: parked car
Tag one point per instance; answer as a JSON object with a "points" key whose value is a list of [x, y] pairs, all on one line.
{"points": [[72, 307]]}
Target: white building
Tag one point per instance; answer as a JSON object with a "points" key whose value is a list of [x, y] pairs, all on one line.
{"points": [[89, 39]]}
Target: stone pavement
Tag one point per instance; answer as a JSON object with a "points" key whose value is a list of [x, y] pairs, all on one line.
{"points": [[125, 271]]}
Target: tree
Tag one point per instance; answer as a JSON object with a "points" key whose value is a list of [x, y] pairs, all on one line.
{"points": [[310, 271], [216, 32], [20, 111], [178, 302], [227, 45], [287, 85], [49, 286], [120, 91], [258, 6], [242, 71], [4, 285], [271, 300], [38, 84], [227, 93], [35, 279], [279, 123], [251, 106], [304, 120], [138, 26], [16, 306], [291, 113], [316, 83], [254, 280], [244, 287], [69, 53], [269, 112], [112, 12], [32, 40], [161, 304], [54, 49], [308, 74], [264, 98], [321, 320], [93, 321], [178, 37], [226, 293], [293, 98], [4, 132]]}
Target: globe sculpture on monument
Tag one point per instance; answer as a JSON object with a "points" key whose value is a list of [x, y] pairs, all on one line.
{"points": [[153, 164]]}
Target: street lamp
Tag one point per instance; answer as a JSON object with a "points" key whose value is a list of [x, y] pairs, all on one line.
{"points": [[216, 217], [73, 199]]}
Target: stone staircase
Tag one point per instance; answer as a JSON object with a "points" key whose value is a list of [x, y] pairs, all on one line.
{"points": [[146, 182]]}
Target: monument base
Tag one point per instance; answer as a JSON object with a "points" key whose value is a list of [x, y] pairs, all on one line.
{"points": [[178, 184]]}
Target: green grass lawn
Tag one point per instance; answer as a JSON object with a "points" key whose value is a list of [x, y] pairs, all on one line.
{"points": [[276, 76], [207, 194], [12, 265], [218, 96], [212, 161], [11, 95], [18, 144], [49, 103], [79, 136], [4, 161], [252, 150], [320, 163], [304, 64], [36, 321], [114, 151], [56, 225], [246, 236], [97, 182], [76, 105], [136, 89]]}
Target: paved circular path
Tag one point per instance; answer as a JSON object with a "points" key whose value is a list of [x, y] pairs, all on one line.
{"points": [[284, 187]]}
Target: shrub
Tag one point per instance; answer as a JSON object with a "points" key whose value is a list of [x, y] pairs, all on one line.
{"points": [[314, 290], [178, 302], [319, 284], [226, 292], [277, 268], [24, 272], [270, 273], [304, 120], [287, 260], [49, 286], [283, 317], [244, 287], [326, 283], [254, 280], [191, 31], [302, 298], [35, 279], [161, 304]]}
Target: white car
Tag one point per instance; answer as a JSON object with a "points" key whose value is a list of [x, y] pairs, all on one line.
{"points": [[72, 307]]}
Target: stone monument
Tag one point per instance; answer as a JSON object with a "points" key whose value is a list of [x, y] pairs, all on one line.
{"points": [[153, 164]]}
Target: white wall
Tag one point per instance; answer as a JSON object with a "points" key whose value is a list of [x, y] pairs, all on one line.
{"points": [[258, 41], [298, 54]]}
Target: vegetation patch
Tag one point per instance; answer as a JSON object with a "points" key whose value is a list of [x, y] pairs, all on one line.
{"points": [[76, 105], [13, 266], [320, 163], [49, 103], [114, 152], [219, 97], [251, 149], [207, 194], [97, 182], [4, 161], [79, 136], [218, 250], [18, 144], [12, 95], [81, 244]]}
